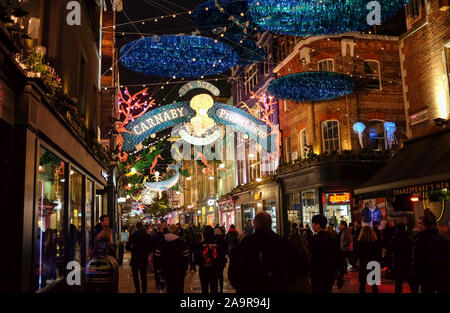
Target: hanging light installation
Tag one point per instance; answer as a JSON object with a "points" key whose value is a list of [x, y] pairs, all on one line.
{"points": [[359, 128], [320, 17], [178, 55], [390, 129], [311, 86]]}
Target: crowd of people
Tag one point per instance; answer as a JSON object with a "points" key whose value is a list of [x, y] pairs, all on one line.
{"points": [[307, 260]]}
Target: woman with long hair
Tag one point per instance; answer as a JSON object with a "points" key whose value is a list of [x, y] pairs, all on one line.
{"points": [[368, 249]]}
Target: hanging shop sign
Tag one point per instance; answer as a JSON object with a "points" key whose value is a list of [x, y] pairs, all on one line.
{"points": [[422, 188], [419, 117], [339, 198], [198, 85]]}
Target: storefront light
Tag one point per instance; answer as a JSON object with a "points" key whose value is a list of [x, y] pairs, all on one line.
{"points": [[62, 180], [222, 165], [258, 179], [414, 199]]}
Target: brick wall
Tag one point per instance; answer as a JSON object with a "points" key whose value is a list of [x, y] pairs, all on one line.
{"points": [[424, 67]]}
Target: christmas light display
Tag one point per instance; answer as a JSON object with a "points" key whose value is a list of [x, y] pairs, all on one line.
{"points": [[216, 13], [246, 48], [313, 86], [324, 17], [178, 55]]}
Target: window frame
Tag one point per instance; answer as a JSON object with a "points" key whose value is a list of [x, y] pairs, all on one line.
{"points": [[302, 148], [371, 75], [323, 137], [326, 62], [251, 78]]}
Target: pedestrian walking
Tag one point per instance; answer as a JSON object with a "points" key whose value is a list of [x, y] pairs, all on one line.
{"points": [[140, 246], [302, 284], [325, 255], [431, 257], [172, 258], [154, 242], [207, 258], [232, 237], [346, 246], [368, 250], [307, 234], [223, 252], [234, 269], [400, 251], [265, 262]]}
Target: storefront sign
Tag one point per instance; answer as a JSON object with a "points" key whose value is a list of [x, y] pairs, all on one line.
{"points": [[419, 117], [421, 188], [339, 198], [258, 195]]}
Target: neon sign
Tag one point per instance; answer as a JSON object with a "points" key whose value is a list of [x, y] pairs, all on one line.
{"points": [[338, 198]]}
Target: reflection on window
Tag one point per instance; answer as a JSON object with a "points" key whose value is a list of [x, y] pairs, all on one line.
{"points": [[294, 210], [376, 135], [330, 136], [75, 215], [326, 65], [310, 207], [269, 207], [89, 209], [49, 230]]}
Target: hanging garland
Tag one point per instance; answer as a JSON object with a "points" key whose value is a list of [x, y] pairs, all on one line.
{"points": [[325, 17], [178, 55], [313, 86]]}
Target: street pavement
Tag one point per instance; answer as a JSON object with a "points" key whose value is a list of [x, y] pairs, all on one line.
{"points": [[192, 282]]}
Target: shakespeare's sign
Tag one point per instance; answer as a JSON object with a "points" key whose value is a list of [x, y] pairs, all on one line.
{"points": [[199, 85]]}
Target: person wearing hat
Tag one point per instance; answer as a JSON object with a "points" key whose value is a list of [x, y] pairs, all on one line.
{"points": [[171, 260]]}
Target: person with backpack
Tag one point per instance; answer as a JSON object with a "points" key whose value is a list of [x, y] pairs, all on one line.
{"points": [[140, 246], [325, 256], [207, 258], [171, 261], [223, 251], [431, 257], [266, 262], [400, 248]]}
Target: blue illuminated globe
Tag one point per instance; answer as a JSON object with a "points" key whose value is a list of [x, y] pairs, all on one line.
{"points": [[178, 55], [311, 86], [319, 17]]}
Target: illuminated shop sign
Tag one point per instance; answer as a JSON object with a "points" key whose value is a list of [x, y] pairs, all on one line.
{"points": [[339, 198]]}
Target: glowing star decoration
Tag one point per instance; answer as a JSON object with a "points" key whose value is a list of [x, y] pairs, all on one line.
{"points": [[390, 129], [359, 128], [311, 86], [178, 55], [159, 187], [321, 17]]}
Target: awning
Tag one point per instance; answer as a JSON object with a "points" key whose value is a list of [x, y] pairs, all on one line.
{"points": [[423, 163]]}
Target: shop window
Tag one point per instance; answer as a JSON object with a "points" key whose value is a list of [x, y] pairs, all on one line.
{"points": [[310, 207], [89, 212], [248, 214], [294, 212], [337, 208], [303, 143], [75, 216], [376, 135], [330, 136], [49, 229], [372, 74], [269, 207], [326, 65]]}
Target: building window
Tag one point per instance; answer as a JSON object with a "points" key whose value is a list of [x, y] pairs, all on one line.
{"points": [[267, 60], [287, 147], [373, 75], [413, 9], [251, 78], [330, 136], [376, 135], [326, 65], [284, 50], [303, 143]]}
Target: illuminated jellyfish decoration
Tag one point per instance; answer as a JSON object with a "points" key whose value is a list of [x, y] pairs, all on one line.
{"points": [[359, 128], [178, 55], [390, 129], [324, 17]]}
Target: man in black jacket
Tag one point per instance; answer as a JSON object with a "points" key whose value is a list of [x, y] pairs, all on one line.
{"points": [[139, 245], [325, 256], [171, 259], [400, 249], [155, 240], [266, 262]]}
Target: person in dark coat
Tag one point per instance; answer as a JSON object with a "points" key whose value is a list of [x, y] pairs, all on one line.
{"points": [[104, 222], [172, 259], [400, 250], [375, 226], [222, 256], [234, 269], [266, 262], [155, 240], [307, 233], [140, 246], [431, 257], [388, 233], [207, 257], [232, 237], [302, 284], [367, 250], [325, 256]]}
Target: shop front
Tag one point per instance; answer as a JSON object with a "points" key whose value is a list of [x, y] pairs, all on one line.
{"points": [[337, 207], [227, 213]]}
